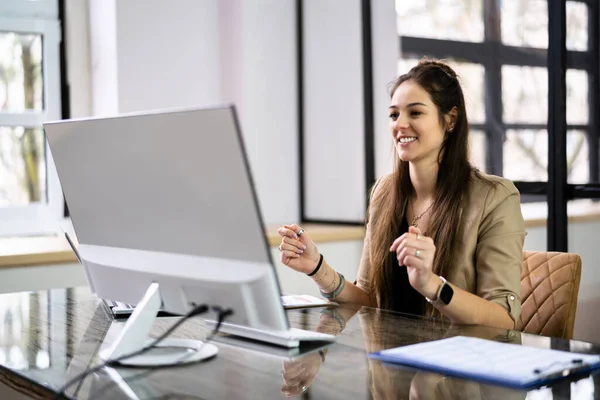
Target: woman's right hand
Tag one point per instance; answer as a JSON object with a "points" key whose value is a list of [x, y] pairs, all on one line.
{"points": [[299, 374], [298, 252]]}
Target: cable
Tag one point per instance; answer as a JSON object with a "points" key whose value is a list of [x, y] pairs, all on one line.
{"points": [[197, 310]]}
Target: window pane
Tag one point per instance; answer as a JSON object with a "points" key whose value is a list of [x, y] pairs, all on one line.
{"points": [[526, 155], [471, 79], [577, 97], [577, 26], [478, 146], [20, 72], [524, 94], [578, 166], [525, 23], [22, 166], [441, 19]]}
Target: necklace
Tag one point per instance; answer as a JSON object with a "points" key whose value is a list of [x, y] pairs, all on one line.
{"points": [[416, 218]]}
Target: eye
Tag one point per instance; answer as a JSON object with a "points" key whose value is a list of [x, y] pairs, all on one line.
{"points": [[393, 116], [415, 113]]}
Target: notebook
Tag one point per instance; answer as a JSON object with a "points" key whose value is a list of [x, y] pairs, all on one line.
{"points": [[487, 361]]}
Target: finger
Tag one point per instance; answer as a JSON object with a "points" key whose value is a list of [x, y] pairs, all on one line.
{"points": [[295, 228], [292, 367], [415, 230], [290, 391], [291, 378], [297, 380], [283, 231], [295, 243], [288, 247], [408, 251], [402, 246], [397, 242], [287, 254], [413, 262], [400, 257], [414, 243]]}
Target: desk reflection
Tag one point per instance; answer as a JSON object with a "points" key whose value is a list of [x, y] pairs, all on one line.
{"points": [[395, 382], [72, 328], [22, 347], [299, 374]]}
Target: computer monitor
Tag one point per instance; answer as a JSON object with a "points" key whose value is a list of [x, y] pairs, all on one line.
{"points": [[164, 209]]}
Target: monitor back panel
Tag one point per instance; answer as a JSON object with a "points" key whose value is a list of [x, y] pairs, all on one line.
{"points": [[175, 182]]}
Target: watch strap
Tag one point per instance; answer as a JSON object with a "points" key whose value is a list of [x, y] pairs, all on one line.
{"points": [[437, 302]]}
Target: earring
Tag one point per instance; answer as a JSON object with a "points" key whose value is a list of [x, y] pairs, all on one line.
{"points": [[451, 129]]}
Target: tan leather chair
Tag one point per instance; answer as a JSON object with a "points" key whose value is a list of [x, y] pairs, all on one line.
{"points": [[549, 290]]}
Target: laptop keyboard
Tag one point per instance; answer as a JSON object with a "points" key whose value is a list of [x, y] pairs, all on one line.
{"points": [[121, 310], [118, 309]]}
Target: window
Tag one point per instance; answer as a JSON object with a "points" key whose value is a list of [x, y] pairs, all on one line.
{"points": [[30, 196], [498, 49]]}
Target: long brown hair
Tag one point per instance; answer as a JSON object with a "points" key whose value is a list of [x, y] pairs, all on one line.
{"points": [[389, 196]]}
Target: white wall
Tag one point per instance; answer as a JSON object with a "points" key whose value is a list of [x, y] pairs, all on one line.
{"points": [[269, 103], [334, 104], [189, 53], [167, 54], [386, 53], [104, 82], [334, 111]]}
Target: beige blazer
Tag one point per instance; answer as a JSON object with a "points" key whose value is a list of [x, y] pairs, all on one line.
{"points": [[489, 259]]}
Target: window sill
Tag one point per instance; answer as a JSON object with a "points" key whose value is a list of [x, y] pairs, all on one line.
{"points": [[584, 210], [27, 251], [36, 250]]}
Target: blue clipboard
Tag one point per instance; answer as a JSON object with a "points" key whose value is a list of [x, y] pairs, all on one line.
{"points": [[487, 361]]}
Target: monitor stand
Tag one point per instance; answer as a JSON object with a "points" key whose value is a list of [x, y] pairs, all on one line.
{"points": [[135, 335]]}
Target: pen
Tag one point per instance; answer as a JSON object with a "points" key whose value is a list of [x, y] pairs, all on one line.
{"points": [[580, 367], [73, 247]]}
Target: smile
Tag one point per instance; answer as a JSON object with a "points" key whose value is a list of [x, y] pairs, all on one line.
{"points": [[407, 139]]}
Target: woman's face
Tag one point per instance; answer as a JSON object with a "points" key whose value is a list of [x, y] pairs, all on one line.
{"points": [[415, 124]]}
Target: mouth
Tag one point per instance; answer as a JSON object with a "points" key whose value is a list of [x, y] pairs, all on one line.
{"points": [[406, 139]]}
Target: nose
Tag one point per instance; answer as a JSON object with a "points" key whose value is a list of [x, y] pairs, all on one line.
{"points": [[401, 122]]}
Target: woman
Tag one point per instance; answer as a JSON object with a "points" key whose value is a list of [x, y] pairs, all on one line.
{"points": [[440, 237]]}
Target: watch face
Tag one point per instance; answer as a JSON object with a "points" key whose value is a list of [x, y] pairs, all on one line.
{"points": [[446, 294]]}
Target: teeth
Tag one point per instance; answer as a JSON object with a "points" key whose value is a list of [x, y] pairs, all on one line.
{"points": [[407, 139]]}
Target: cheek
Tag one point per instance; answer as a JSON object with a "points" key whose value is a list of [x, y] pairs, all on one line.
{"points": [[436, 134]]}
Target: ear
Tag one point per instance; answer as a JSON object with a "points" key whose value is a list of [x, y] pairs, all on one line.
{"points": [[451, 119]]}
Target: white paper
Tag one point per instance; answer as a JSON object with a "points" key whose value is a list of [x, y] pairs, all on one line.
{"points": [[302, 300]]}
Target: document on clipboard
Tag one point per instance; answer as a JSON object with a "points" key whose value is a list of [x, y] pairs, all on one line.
{"points": [[487, 361]]}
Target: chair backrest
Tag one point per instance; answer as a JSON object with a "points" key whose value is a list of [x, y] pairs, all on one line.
{"points": [[549, 290]]}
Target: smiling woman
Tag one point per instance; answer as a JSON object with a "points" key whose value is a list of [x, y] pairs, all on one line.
{"points": [[462, 255]]}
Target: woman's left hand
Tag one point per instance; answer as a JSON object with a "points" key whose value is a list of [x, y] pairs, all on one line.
{"points": [[416, 252]]}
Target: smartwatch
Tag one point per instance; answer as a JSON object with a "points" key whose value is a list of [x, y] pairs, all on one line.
{"points": [[444, 294]]}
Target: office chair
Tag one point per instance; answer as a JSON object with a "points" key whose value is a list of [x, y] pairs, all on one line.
{"points": [[549, 290]]}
